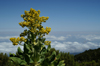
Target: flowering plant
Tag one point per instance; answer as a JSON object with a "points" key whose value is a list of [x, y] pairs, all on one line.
{"points": [[34, 50]]}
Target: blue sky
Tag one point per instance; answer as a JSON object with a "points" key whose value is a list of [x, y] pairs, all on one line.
{"points": [[64, 15], [75, 24]]}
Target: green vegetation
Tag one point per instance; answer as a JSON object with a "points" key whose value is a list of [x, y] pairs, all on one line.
{"points": [[4, 60], [34, 49], [89, 55], [69, 60]]}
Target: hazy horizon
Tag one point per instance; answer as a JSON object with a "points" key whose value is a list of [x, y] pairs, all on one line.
{"points": [[73, 42]]}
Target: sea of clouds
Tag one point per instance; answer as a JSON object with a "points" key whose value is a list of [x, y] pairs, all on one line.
{"points": [[73, 42]]}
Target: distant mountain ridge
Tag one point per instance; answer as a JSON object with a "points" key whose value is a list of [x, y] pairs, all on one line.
{"points": [[88, 55]]}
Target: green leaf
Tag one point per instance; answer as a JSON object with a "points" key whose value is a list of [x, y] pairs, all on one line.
{"points": [[61, 63], [19, 50], [21, 62], [54, 53], [58, 56], [41, 60], [26, 49], [49, 47], [31, 61], [27, 58]]}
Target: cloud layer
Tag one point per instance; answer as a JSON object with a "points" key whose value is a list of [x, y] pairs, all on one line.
{"points": [[73, 43]]}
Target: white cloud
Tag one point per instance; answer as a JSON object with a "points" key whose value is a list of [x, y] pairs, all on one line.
{"points": [[89, 37], [52, 37], [67, 42], [73, 46], [7, 37], [8, 47], [66, 46]]}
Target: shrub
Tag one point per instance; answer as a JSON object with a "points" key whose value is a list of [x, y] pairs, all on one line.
{"points": [[34, 50]]}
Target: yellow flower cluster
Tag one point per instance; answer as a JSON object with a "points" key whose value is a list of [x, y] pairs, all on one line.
{"points": [[24, 23], [33, 20], [15, 41], [47, 42], [48, 29]]}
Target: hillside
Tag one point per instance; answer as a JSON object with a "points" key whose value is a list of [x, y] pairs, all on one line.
{"points": [[88, 55]]}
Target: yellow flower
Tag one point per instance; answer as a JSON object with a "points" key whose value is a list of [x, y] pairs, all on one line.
{"points": [[42, 28], [31, 20], [37, 15], [24, 23], [22, 39], [22, 15], [11, 39], [47, 18], [49, 29], [28, 18], [50, 41], [25, 19], [39, 11], [18, 39], [36, 21], [43, 17], [38, 18], [47, 33], [20, 23], [31, 9], [36, 12], [25, 40], [25, 11], [33, 32], [30, 14], [15, 43], [33, 15], [46, 27], [47, 42], [38, 25], [44, 31]]}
